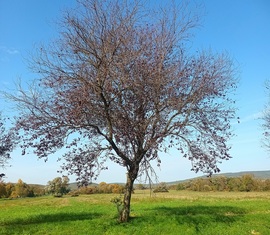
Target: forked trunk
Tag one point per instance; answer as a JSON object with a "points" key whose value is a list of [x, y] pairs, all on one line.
{"points": [[125, 212]]}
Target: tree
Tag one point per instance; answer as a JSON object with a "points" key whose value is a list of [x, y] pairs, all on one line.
{"points": [[248, 183], [3, 191], [58, 186], [120, 85], [9, 189], [8, 140], [21, 189]]}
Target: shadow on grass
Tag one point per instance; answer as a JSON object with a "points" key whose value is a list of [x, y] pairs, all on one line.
{"points": [[198, 216], [52, 218]]}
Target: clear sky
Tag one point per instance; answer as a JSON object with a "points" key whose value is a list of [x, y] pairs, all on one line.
{"points": [[239, 27]]}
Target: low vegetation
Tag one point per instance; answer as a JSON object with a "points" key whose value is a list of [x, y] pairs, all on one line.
{"points": [[20, 189], [161, 188], [59, 187], [100, 189], [175, 212]]}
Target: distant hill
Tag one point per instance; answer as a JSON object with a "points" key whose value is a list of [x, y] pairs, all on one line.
{"points": [[257, 174]]}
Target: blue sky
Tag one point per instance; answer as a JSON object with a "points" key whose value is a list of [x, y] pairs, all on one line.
{"points": [[239, 27]]}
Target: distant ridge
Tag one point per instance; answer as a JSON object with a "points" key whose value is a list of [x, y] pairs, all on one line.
{"points": [[257, 174]]}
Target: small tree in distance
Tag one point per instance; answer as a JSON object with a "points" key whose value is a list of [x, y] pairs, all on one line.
{"points": [[120, 85], [21, 189], [58, 186]]}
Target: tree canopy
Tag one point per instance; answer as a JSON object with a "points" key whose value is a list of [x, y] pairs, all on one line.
{"points": [[58, 186], [120, 84]]}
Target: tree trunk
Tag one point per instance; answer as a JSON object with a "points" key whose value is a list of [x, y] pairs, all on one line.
{"points": [[125, 212]]}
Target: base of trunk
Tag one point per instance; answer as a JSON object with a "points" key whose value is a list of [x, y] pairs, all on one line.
{"points": [[125, 212], [124, 216]]}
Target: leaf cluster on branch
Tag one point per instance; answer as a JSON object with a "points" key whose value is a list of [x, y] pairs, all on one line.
{"points": [[8, 141]]}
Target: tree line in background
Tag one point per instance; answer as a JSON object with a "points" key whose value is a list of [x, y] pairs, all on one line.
{"points": [[59, 187], [100, 188], [20, 189], [245, 183]]}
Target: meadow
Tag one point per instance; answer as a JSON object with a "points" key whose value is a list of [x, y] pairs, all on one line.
{"points": [[176, 212]]}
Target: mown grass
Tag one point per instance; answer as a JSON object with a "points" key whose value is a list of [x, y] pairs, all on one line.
{"points": [[177, 212]]}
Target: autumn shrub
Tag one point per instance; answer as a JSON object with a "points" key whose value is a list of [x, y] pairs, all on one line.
{"points": [[21, 189], [161, 188], [207, 188], [118, 188], [180, 186], [87, 190], [100, 189], [266, 185], [38, 190], [3, 191]]}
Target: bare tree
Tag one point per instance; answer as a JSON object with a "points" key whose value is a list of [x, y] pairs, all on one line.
{"points": [[120, 84]]}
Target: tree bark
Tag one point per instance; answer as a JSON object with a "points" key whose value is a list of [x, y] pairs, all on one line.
{"points": [[125, 212]]}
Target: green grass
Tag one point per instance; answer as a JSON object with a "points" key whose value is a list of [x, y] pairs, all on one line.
{"points": [[166, 213]]}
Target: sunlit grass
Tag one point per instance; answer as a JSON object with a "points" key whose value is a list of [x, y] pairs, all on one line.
{"points": [[177, 212]]}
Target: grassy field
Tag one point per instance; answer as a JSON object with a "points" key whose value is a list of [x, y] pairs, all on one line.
{"points": [[177, 212]]}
